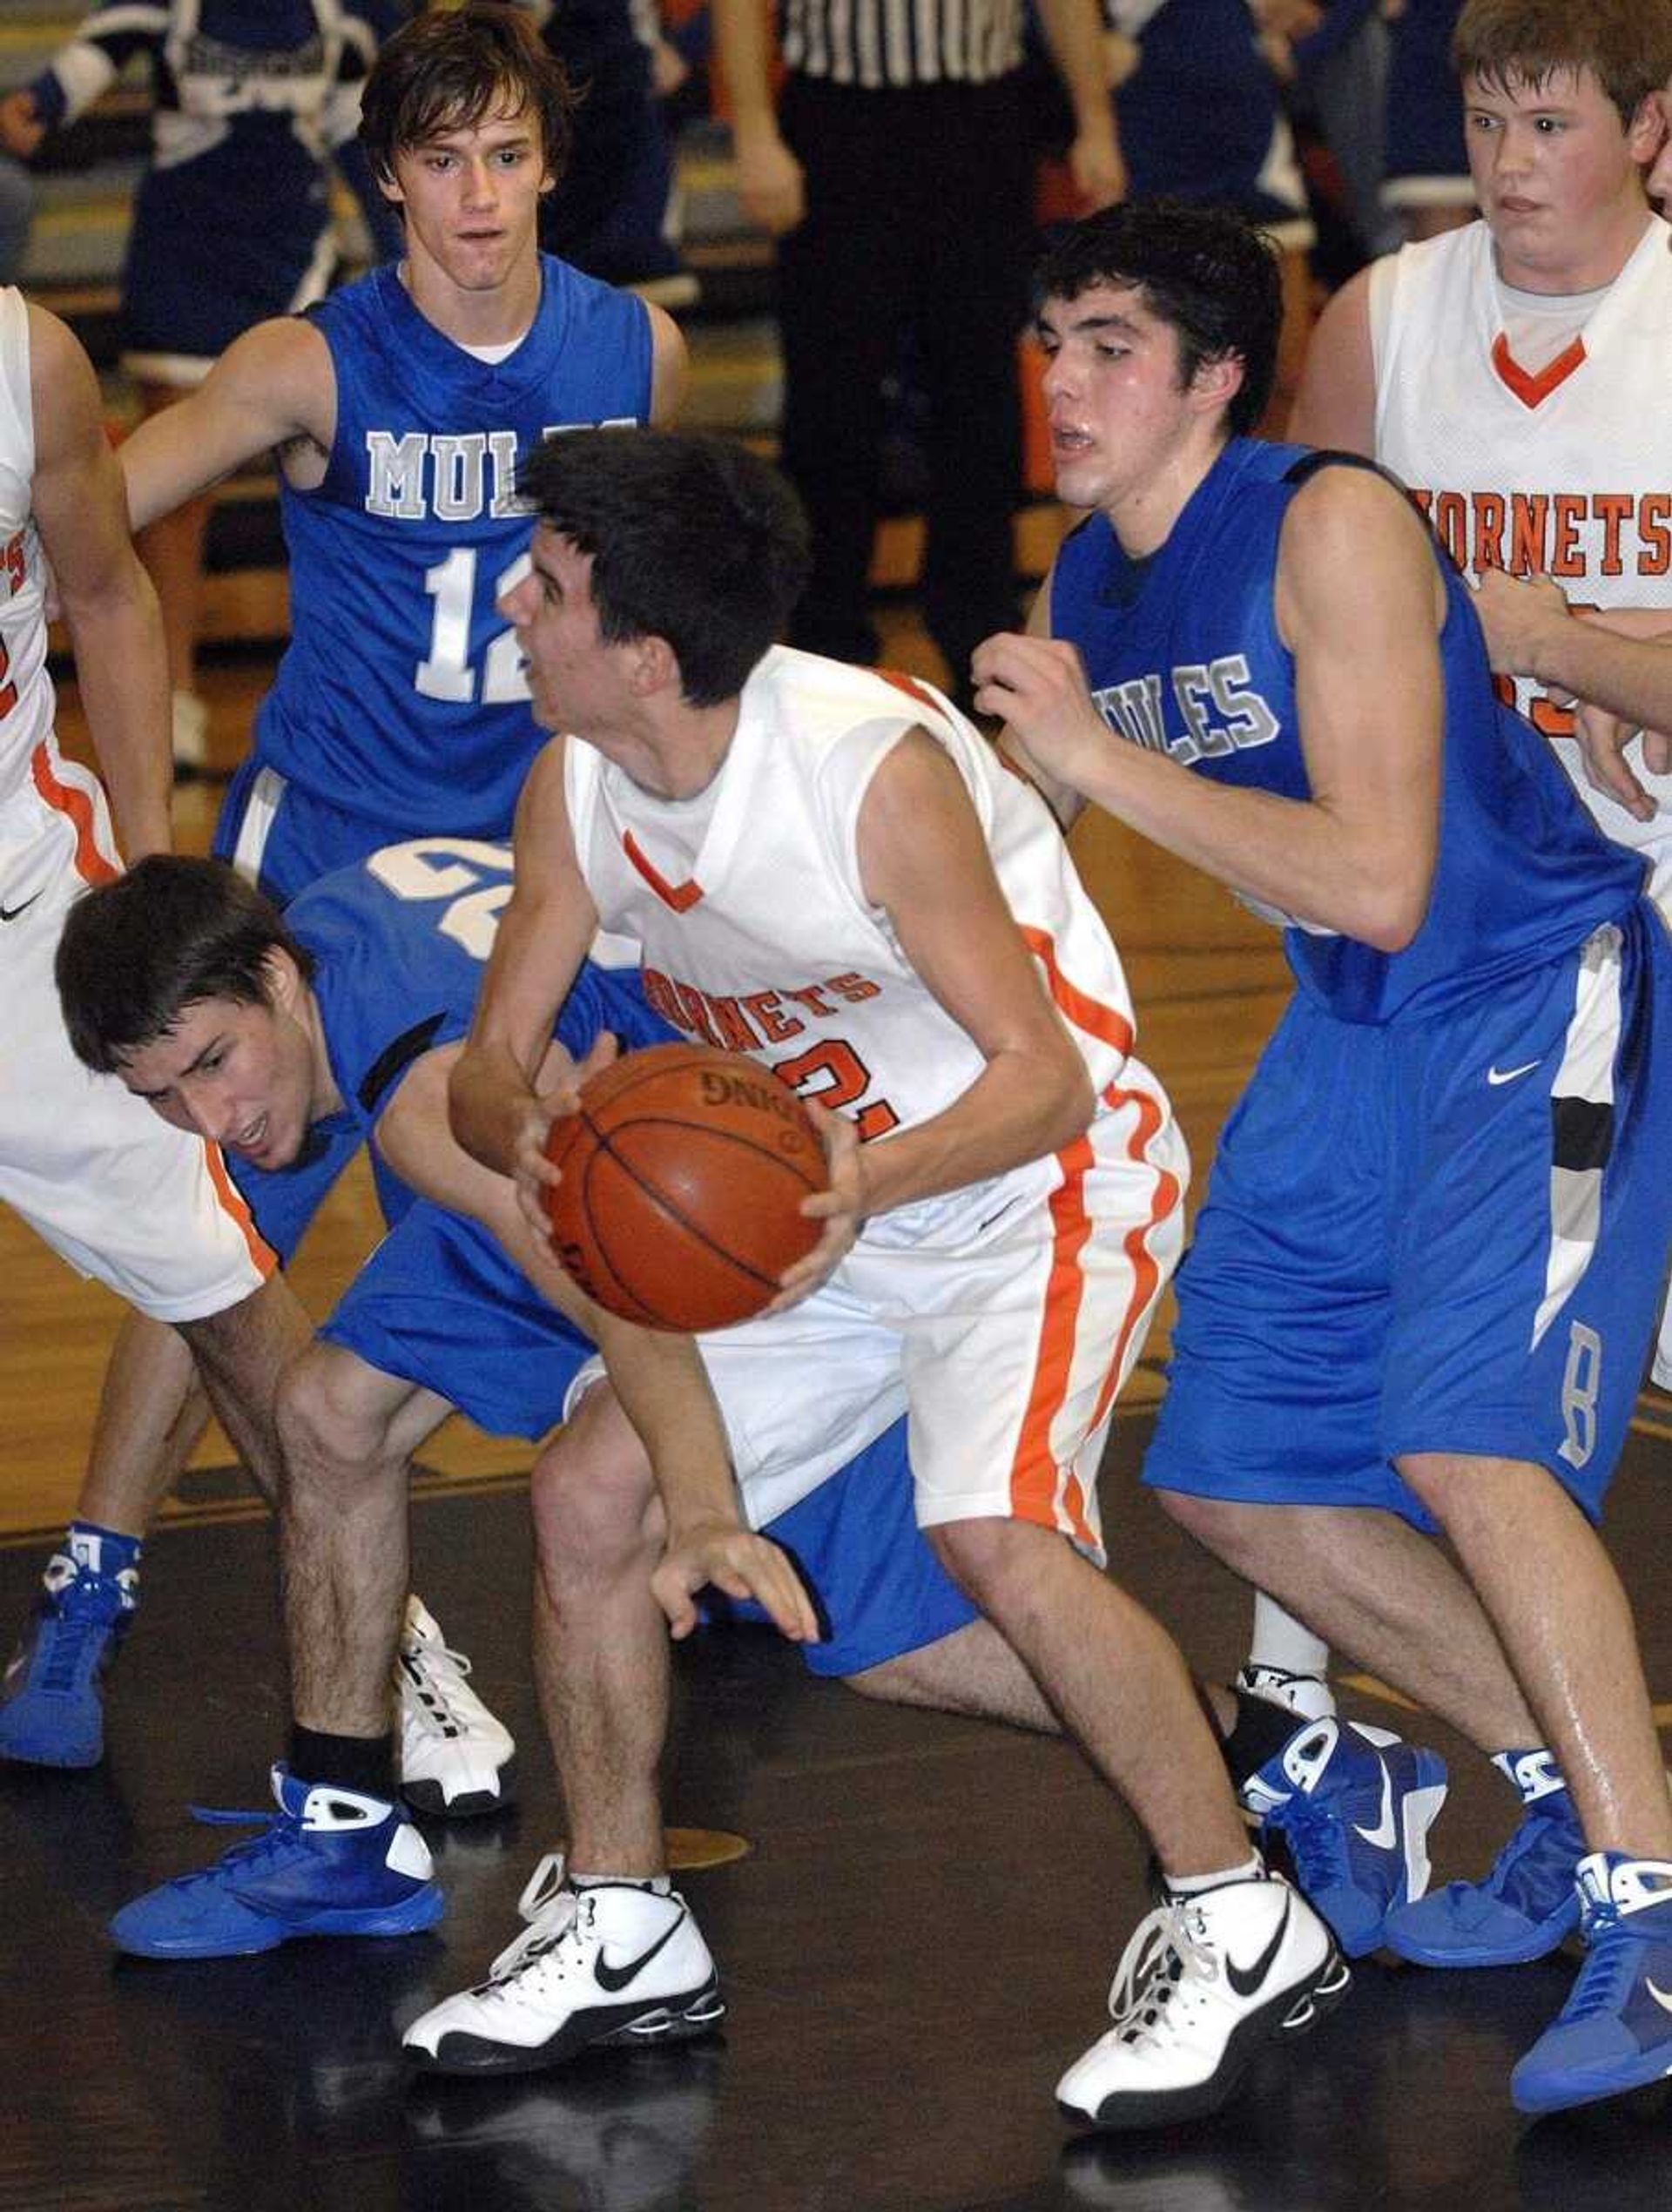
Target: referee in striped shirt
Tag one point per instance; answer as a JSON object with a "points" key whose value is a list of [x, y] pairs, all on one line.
{"points": [[896, 172]]}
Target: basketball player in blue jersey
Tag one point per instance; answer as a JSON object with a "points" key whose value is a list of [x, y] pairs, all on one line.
{"points": [[398, 409], [280, 1033], [1426, 1276]]}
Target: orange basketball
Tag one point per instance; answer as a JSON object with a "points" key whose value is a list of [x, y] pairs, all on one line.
{"points": [[683, 1173]]}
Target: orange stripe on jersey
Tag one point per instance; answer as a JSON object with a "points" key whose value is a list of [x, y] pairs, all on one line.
{"points": [[232, 1201], [681, 897], [1531, 390], [1033, 1472], [910, 686], [76, 806], [1074, 1004], [1146, 1273]]}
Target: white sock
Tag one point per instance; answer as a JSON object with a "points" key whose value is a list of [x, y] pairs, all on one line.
{"points": [[1193, 1885], [1280, 1640]]}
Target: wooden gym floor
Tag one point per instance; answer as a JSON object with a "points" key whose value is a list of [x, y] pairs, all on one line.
{"points": [[919, 1936]]}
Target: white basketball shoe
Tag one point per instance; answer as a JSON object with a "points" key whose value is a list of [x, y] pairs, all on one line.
{"points": [[456, 1758], [1206, 1982], [609, 1964]]}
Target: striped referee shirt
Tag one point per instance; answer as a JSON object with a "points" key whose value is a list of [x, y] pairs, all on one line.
{"points": [[875, 43]]}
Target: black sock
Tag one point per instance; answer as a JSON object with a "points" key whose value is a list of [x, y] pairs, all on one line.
{"points": [[363, 1763], [1259, 1732]]}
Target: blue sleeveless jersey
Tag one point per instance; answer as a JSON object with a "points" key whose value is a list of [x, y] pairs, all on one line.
{"points": [[401, 697], [400, 942], [1193, 666]]}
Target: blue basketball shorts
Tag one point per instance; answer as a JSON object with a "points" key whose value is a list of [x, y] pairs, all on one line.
{"points": [[283, 838], [439, 1304], [1441, 1235]]}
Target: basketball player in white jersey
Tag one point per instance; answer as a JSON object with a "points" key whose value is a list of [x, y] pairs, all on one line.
{"points": [[832, 871], [145, 1209], [1512, 374]]}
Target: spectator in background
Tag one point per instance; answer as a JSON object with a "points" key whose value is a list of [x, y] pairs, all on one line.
{"points": [[252, 100], [616, 216], [1426, 184], [17, 208], [897, 175]]}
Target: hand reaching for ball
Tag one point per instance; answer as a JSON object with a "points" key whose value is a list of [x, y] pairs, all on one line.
{"points": [[841, 1208], [531, 1170], [724, 1555]]}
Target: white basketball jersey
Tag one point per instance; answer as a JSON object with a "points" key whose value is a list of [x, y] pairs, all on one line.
{"points": [[756, 930], [1565, 471], [25, 687]]}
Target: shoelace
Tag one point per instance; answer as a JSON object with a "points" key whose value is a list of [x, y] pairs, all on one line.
{"points": [[72, 1638], [1612, 1956], [426, 1664], [548, 1907], [1165, 1950], [1313, 1833], [279, 1832], [1541, 1888]]}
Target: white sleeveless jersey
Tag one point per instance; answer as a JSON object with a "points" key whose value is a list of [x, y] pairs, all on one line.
{"points": [[25, 686], [1566, 471], [756, 933]]}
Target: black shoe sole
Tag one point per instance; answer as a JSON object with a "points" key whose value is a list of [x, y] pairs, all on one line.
{"points": [[427, 1797], [673, 2019], [1292, 2013]]}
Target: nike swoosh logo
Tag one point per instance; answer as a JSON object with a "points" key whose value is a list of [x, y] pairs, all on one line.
{"points": [[1246, 1980], [10, 914], [1383, 1834], [1496, 1075], [1660, 1997], [614, 1979]]}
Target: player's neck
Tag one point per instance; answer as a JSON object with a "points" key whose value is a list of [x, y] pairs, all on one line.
{"points": [[494, 316], [1143, 516], [1585, 266], [678, 754], [325, 1099]]}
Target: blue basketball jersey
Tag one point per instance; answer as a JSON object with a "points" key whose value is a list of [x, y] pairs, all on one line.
{"points": [[400, 942], [1183, 655], [401, 696]]}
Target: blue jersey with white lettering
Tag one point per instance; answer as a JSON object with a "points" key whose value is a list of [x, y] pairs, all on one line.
{"points": [[400, 942], [401, 697], [1183, 655]]}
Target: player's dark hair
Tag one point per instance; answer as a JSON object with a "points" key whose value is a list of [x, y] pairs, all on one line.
{"points": [[450, 71], [1510, 45], [137, 951], [693, 538], [1207, 274]]}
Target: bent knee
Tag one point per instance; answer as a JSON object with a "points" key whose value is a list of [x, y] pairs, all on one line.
{"points": [[323, 1421], [592, 1494]]}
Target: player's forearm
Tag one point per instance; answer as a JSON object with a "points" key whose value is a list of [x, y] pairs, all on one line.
{"points": [[1631, 676], [487, 1100], [665, 1392], [742, 49], [1293, 855], [1074, 32], [1025, 1105], [121, 671]]}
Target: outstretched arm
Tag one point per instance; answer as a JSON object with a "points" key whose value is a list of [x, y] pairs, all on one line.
{"points": [[1359, 604], [106, 597], [273, 389]]}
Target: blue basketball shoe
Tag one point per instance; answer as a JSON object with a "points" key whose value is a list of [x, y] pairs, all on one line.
{"points": [[334, 1862], [1614, 2033], [1526, 1906], [51, 1703], [1355, 1806]]}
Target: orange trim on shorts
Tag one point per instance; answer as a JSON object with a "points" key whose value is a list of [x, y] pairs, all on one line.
{"points": [[232, 1201], [1033, 1471], [1146, 1270], [76, 806], [1074, 1004]]}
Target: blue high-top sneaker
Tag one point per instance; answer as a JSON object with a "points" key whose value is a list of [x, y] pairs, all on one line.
{"points": [[1355, 1806], [1527, 1904], [51, 1700], [1614, 2033], [333, 1861]]}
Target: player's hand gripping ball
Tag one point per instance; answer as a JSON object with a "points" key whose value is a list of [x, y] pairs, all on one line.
{"points": [[683, 1177]]}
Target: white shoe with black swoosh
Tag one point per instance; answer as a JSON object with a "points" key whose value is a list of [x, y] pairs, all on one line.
{"points": [[609, 1963], [1206, 1982]]}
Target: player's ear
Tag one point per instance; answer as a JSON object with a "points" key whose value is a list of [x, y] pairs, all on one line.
{"points": [[1217, 380], [654, 666], [282, 980], [1646, 128]]}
